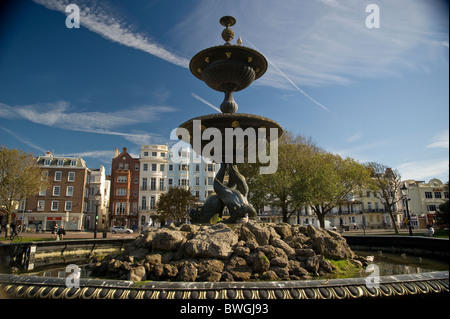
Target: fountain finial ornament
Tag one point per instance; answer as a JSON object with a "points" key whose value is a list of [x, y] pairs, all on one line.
{"points": [[227, 33]]}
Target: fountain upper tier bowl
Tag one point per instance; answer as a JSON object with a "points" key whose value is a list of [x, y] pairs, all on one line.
{"points": [[231, 121]]}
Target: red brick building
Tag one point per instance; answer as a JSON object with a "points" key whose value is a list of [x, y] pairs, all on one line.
{"points": [[124, 190], [64, 201]]}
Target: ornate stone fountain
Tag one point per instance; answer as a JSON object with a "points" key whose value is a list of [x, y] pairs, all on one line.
{"points": [[228, 68]]}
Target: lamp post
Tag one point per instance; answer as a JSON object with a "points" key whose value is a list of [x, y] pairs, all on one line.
{"points": [[404, 191], [97, 197]]}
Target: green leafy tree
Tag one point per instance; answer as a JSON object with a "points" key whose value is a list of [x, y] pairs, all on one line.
{"points": [[443, 212], [329, 181], [386, 184], [277, 189], [19, 179], [174, 204]]}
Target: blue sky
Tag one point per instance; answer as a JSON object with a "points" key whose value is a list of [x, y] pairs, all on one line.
{"points": [[122, 78]]}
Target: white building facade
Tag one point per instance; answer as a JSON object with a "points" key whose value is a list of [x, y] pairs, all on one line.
{"points": [[160, 169]]}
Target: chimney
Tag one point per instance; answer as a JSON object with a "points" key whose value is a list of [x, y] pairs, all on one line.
{"points": [[116, 152]]}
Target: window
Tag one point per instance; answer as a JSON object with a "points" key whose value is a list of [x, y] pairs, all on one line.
{"points": [[152, 203], [210, 167], [153, 183], [121, 192], [43, 192], [197, 180], [162, 167], [431, 208], [56, 190], [170, 167], [437, 195], [47, 162], [120, 208], [122, 179], [144, 183], [197, 167], [163, 154], [144, 202], [126, 167], [445, 194], [40, 205], [69, 191], [68, 206], [145, 167], [73, 163], [136, 167], [161, 184], [428, 195], [170, 182], [44, 176], [210, 181], [55, 205], [58, 175], [154, 167], [60, 162], [145, 153], [71, 177], [154, 154]]}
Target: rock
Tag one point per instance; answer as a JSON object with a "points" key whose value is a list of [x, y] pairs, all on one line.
{"points": [[326, 266], [242, 251], [188, 272], [158, 269], [260, 263], [137, 274], [269, 275], [312, 264], [305, 252], [153, 258], [238, 267], [279, 262], [281, 272], [284, 230], [210, 276], [295, 269], [281, 244], [114, 266], [226, 276], [210, 265], [261, 233], [170, 271], [168, 240], [214, 241], [330, 244], [247, 236]]}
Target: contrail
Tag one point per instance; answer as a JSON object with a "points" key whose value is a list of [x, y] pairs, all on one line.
{"points": [[113, 29], [293, 84], [206, 102]]}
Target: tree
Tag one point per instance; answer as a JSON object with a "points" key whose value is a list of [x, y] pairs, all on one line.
{"points": [[174, 204], [330, 180], [386, 183], [19, 179], [443, 212], [277, 189]]}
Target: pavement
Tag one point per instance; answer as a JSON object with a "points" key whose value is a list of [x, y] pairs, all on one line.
{"points": [[71, 235]]}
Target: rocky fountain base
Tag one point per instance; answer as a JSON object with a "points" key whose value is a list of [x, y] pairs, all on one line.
{"points": [[213, 253]]}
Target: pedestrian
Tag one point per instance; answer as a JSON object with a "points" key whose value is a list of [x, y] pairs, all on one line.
{"points": [[55, 230], [61, 232]]}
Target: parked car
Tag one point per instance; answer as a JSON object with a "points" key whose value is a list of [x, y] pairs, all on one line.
{"points": [[121, 229]]}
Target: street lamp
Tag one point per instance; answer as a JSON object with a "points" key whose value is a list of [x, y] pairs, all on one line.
{"points": [[97, 197], [405, 190]]}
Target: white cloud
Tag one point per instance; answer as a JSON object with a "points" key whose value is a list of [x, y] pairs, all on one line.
{"points": [[317, 43], [425, 169], [440, 140], [58, 115], [96, 20]]}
